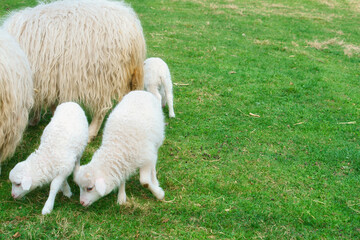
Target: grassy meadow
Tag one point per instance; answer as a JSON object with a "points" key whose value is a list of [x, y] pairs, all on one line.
{"points": [[265, 143]]}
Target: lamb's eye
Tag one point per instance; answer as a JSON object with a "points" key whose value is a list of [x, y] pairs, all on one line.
{"points": [[17, 184], [89, 189]]}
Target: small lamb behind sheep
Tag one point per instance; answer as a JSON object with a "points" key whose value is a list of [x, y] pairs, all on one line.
{"points": [[132, 136], [62, 144], [157, 80]]}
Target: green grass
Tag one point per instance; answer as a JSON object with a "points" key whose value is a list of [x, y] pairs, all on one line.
{"points": [[292, 173]]}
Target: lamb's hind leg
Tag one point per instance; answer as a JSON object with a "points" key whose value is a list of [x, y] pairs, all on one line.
{"points": [[95, 125], [146, 180], [169, 97], [54, 189], [153, 177], [154, 90], [162, 94]]}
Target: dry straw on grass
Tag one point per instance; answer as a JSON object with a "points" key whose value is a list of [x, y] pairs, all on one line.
{"points": [[349, 49], [329, 3]]}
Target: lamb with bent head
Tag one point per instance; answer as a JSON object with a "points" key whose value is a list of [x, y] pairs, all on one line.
{"points": [[133, 133], [62, 144]]}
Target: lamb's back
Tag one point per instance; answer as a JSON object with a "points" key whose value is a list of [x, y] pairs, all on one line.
{"points": [[138, 118], [68, 127]]}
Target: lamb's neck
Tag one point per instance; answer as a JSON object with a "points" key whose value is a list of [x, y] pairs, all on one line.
{"points": [[111, 166], [41, 170]]}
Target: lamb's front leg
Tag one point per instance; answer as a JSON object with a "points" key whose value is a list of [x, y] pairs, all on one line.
{"points": [[121, 195], [55, 186], [65, 188]]}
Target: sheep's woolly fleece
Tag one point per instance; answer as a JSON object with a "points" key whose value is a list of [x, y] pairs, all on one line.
{"points": [[87, 51], [16, 94]]}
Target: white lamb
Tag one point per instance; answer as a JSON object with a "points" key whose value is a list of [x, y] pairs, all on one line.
{"points": [[157, 80], [62, 144], [132, 136]]}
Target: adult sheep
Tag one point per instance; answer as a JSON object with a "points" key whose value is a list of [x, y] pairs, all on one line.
{"points": [[87, 51], [16, 94]]}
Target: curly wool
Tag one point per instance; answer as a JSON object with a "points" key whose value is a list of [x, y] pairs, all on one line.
{"points": [[16, 94], [87, 51]]}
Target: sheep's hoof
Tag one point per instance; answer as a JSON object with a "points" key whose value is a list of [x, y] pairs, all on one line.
{"points": [[146, 185], [90, 139]]}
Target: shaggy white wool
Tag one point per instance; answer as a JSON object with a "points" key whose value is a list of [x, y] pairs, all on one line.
{"points": [[62, 144], [133, 134], [87, 51], [157, 80], [16, 94]]}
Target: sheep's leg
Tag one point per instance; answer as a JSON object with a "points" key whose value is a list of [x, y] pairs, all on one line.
{"points": [[53, 108], [54, 189], [153, 177], [36, 116], [169, 96], [154, 90], [121, 195], [146, 181], [95, 125], [169, 99], [66, 190], [137, 78], [162, 94]]}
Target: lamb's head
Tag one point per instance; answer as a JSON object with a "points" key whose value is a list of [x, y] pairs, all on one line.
{"points": [[21, 179], [92, 185]]}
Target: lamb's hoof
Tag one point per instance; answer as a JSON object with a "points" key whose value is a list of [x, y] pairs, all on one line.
{"points": [[160, 195], [68, 194], [121, 200], [46, 210], [172, 115]]}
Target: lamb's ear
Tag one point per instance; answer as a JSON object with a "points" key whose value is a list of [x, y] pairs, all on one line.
{"points": [[26, 183], [100, 186]]}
